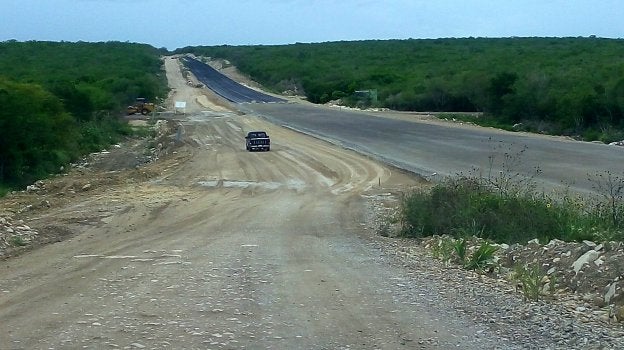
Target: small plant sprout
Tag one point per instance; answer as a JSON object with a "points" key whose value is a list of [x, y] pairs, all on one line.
{"points": [[529, 279], [482, 258]]}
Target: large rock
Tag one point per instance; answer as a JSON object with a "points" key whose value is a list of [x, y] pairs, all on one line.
{"points": [[586, 258], [610, 292]]}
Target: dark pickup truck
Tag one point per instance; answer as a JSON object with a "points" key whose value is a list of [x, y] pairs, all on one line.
{"points": [[257, 141]]}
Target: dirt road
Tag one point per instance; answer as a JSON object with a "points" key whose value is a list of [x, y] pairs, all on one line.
{"points": [[214, 247], [222, 249]]}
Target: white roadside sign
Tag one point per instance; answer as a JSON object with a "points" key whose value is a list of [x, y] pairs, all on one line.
{"points": [[180, 105]]}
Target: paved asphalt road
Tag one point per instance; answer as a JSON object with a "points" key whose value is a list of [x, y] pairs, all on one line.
{"points": [[426, 148], [224, 86]]}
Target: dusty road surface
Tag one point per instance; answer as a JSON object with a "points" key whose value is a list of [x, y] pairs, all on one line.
{"points": [[213, 247]]}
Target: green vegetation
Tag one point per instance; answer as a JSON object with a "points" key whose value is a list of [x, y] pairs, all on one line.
{"points": [[481, 258], [530, 279], [506, 206], [17, 241], [459, 247], [62, 100], [468, 205], [449, 249], [572, 86], [443, 249]]}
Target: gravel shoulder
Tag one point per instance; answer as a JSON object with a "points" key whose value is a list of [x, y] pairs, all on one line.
{"points": [[208, 246]]}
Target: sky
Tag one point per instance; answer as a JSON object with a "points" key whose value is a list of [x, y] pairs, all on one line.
{"points": [[176, 24]]}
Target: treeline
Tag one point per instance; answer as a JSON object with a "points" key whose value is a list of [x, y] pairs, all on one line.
{"points": [[556, 85], [61, 100]]}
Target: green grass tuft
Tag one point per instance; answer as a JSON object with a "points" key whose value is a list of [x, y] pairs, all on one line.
{"points": [[529, 278], [482, 258]]}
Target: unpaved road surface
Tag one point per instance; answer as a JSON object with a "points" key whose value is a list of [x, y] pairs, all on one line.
{"points": [[213, 247]]}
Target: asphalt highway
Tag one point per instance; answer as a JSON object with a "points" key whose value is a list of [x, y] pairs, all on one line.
{"points": [[224, 86], [435, 150]]}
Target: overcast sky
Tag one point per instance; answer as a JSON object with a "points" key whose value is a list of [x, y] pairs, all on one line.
{"points": [[174, 24]]}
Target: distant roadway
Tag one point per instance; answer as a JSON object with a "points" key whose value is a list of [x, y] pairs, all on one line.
{"points": [[224, 86], [434, 150]]}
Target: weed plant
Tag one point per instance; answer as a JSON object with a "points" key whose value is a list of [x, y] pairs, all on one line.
{"points": [[482, 258], [17, 241], [443, 249], [448, 249], [611, 187], [529, 278], [460, 250]]}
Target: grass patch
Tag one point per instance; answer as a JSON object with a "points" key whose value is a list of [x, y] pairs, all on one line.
{"points": [[463, 206], [443, 249], [482, 258], [144, 131], [605, 134], [505, 207], [453, 250], [460, 250], [530, 279]]}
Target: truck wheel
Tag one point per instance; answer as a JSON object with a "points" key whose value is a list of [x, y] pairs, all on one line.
{"points": [[144, 111]]}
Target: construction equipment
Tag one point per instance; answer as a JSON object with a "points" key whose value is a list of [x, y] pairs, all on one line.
{"points": [[141, 105]]}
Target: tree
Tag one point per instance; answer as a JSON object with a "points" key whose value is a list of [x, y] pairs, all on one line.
{"points": [[37, 134], [501, 87]]}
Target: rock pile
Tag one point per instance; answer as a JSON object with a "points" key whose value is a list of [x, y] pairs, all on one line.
{"points": [[590, 274], [593, 271], [617, 143], [14, 234]]}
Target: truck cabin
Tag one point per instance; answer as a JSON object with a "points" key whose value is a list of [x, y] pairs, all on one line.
{"points": [[257, 135]]}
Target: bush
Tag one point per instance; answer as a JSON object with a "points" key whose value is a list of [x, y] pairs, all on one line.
{"points": [[505, 207], [466, 206]]}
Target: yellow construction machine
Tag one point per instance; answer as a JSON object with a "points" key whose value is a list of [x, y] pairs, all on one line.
{"points": [[141, 106]]}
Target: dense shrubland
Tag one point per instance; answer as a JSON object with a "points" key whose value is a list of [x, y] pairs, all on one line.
{"points": [[571, 86], [61, 100]]}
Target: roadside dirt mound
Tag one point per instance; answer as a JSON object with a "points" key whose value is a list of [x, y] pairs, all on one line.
{"points": [[586, 277], [132, 161], [593, 272]]}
